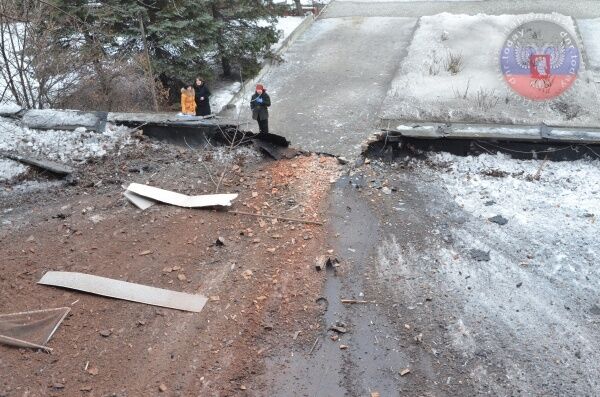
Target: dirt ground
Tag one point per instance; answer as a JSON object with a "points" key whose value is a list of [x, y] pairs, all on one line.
{"points": [[261, 284]]}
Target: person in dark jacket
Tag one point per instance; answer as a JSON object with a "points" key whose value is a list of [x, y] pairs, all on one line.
{"points": [[259, 103], [202, 94]]}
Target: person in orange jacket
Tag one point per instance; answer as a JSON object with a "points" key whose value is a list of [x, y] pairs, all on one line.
{"points": [[188, 101]]}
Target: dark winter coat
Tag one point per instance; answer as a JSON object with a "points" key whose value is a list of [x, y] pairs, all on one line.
{"points": [[259, 110], [202, 106]]}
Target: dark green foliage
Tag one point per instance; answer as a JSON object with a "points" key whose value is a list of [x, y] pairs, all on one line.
{"points": [[185, 37]]}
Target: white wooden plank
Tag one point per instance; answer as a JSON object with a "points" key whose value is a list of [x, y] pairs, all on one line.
{"points": [[181, 200], [124, 290]]}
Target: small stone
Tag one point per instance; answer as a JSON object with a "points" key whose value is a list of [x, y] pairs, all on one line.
{"points": [[386, 190], [86, 388], [30, 239], [271, 250], [343, 347], [242, 387], [176, 268], [334, 337], [106, 333], [479, 255], [58, 386], [519, 284], [499, 219], [162, 388], [181, 277], [404, 371], [220, 242], [254, 194], [93, 371], [147, 252], [215, 298]]}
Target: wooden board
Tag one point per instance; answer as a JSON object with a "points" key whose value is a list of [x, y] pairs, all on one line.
{"points": [[125, 290]]}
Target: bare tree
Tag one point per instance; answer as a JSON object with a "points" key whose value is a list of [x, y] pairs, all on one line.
{"points": [[34, 69]]}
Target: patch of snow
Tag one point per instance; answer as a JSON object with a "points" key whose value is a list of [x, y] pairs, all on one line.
{"points": [[63, 146], [424, 90], [10, 169], [9, 107], [564, 199], [222, 96], [590, 32], [286, 25]]}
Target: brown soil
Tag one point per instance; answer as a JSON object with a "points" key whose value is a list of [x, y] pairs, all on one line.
{"points": [[261, 284]]}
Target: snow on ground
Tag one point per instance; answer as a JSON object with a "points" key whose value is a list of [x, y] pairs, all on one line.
{"points": [[566, 194], [424, 90], [536, 300], [63, 146], [286, 25], [10, 169], [590, 31], [221, 96]]}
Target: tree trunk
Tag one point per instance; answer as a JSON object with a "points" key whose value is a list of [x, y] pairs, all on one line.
{"points": [[299, 8], [151, 79], [226, 66]]}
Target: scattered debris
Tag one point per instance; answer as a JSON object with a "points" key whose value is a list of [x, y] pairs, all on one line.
{"points": [[277, 217], [124, 290], [339, 327], [32, 328], [404, 371], [313, 346], [334, 337], [499, 219], [106, 333], [479, 255], [354, 301], [181, 200], [322, 301], [324, 261]]}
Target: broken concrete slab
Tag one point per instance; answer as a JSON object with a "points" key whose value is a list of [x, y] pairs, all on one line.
{"points": [[48, 165], [181, 200], [125, 290], [50, 119], [31, 329]]}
